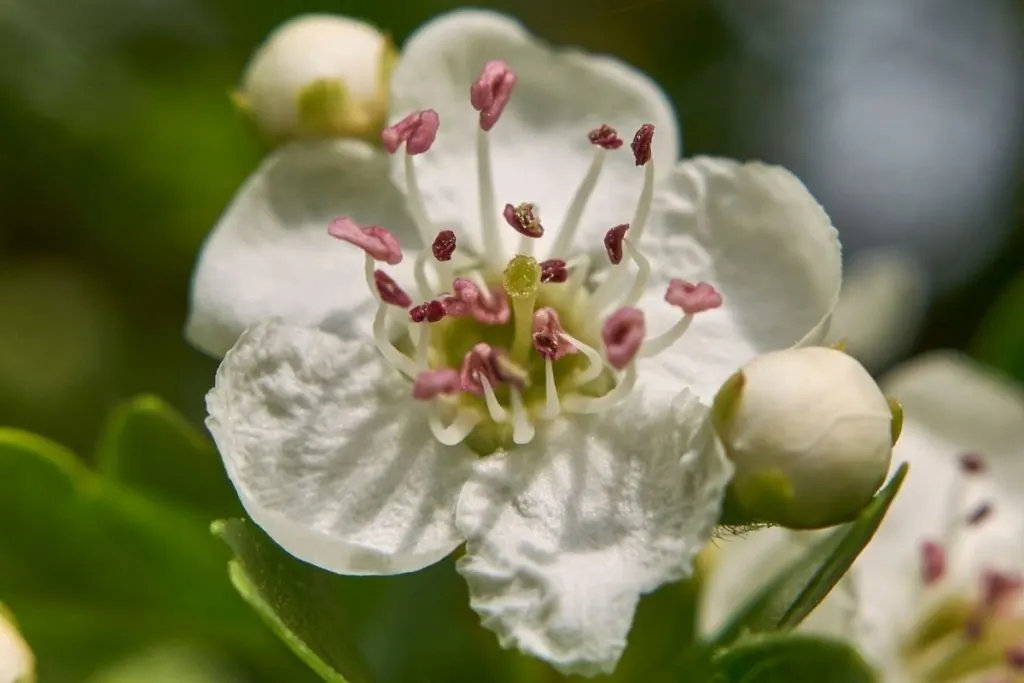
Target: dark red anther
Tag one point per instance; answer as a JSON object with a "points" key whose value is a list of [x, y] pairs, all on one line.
{"points": [[605, 137], [390, 292], [444, 245], [525, 219], [933, 562], [613, 242], [429, 311], [979, 514], [641, 144], [553, 270], [972, 463]]}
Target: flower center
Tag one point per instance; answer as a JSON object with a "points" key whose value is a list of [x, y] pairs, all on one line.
{"points": [[967, 636], [499, 344]]}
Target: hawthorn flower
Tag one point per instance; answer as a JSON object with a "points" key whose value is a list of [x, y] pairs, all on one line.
{"points": [[938, 594], [17, 664], [512, 340]]}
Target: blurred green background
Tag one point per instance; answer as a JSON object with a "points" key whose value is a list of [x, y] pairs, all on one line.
{"points": [[121, 148]]}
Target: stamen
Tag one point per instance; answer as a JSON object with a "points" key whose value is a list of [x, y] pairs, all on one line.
{"points": [[389, 291], [596, 365], [693, 299], [433, 383], [477, 366], [933, 562], [422, 346], [552, 407], [641, 144], [549, 337], [392, 355], [489, 95], [461, 303], [604, 138], [979, 514], [580, 405], [522, 431], [420, 275], [418, 131], [376, 241], [579, 268], [498, 414], [554, 271], [457, 431], [998, 587], [613, 243], [429, 311], [623, 335], [525, 219], [492, 91], [522, 282], [488, 307], [643, 274], [972, 463], [444, 245]]}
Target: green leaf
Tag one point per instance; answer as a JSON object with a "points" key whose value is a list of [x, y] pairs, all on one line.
{"points": [[411, 628], [787, 600], [147, 445], [785, 658], [95, 571], [999, 341]]}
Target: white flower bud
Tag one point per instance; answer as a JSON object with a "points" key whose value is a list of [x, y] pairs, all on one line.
{"points": [[319, 75], [810, 434], [17, 665]]}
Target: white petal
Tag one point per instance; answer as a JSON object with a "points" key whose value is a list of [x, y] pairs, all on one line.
{"points": [[540, 148], [270, 254], [880, 307], [756, 234], [17, 663], [563, 536], [331, 455]]}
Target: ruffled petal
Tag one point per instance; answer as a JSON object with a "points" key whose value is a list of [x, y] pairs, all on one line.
{"points": [[331, 456], [270, 254], [756, 234], [563, 536], [539, 146]]}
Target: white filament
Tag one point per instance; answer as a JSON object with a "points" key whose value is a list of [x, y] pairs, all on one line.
{"points": [[582, 405], [571, 223], [643, 274], [457, 431], [522, 431], [493, 250], [416, 205], [552, 407], [420, 274], [596, 365], [392, 355], [423, 346], [495, 409], [655, 345]]}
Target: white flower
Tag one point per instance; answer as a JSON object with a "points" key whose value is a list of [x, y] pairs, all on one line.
{"points": [[17, 665], [547, 410], [810, 434], [319, 75], [938, 594], [884, 296]]}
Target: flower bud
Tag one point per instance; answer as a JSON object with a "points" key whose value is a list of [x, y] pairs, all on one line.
{"points": [[17, 665], [319, 75], [810, 434]]}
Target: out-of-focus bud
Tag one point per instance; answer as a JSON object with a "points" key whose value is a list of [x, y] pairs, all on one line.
{"points": [[810, 434], [17, 665], [319, 75]]}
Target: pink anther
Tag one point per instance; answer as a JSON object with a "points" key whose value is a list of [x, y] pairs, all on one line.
{"points": [[418, 131], [479, 364], [605, 137], [525, 219], [433, 383], [444, 245], [999, 587], [641, 144], [376, 241], [693, 298], [623, 334], [933, 562], [390, 291], [549, 336], [493, 310], [491, 92], [613, 243]]}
